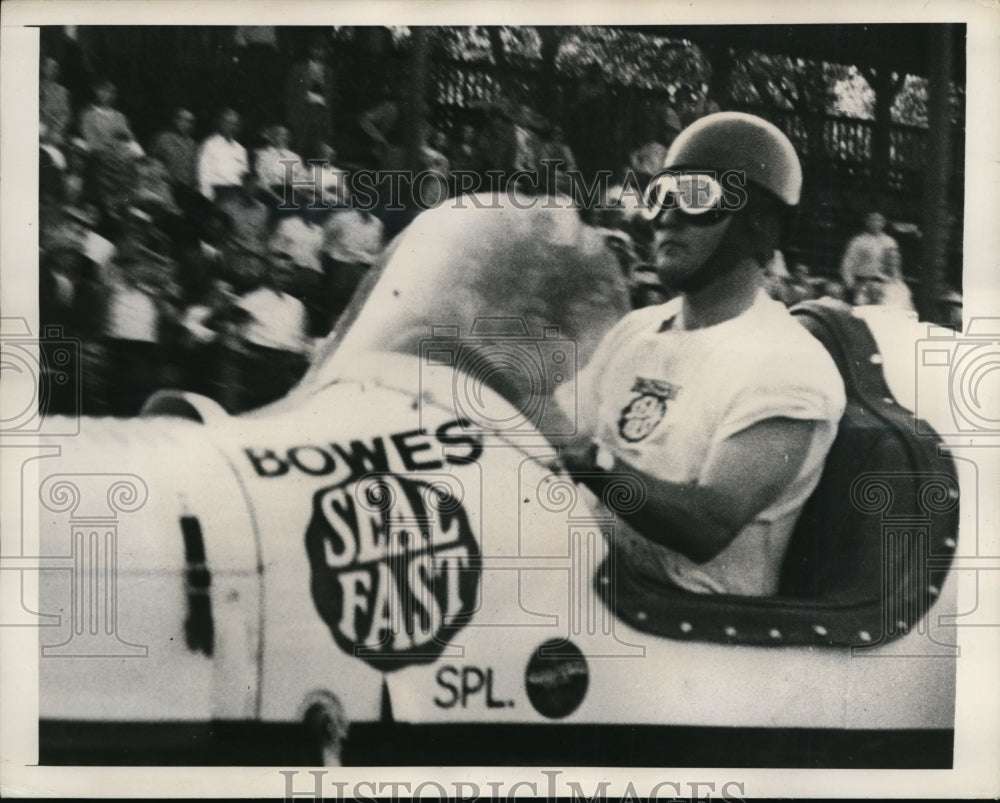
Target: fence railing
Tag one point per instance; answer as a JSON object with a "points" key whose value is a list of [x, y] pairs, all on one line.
{"points": [[460, 87]]}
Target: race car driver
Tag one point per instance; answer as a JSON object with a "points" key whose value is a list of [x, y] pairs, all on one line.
{"points": [[718, 402]]}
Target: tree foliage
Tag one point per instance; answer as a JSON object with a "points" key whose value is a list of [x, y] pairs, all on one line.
{"points": [[680, 70], [784, 82]]}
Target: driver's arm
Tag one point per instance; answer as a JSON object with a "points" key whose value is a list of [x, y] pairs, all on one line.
{"points": [[747, 473]]}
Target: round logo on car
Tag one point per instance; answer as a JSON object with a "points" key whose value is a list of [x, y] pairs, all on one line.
{"points": [[395, 568]]}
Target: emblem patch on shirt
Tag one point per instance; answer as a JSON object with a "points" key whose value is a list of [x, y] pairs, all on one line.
{"points": [[641, 415]]}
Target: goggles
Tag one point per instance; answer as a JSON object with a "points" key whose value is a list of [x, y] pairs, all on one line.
{"points": [[698, 196]]}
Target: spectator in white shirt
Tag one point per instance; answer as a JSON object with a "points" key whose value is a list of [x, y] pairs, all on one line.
{"points": [[142, 300], [353, 240], [320, 183], [206, 323], [277, 320], [276, 164], [222, 161], [301, 240], [352, 236], [296, 246], [871, 256], [274, 343]]}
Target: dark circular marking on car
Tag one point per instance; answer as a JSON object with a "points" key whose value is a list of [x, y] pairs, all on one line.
{"points": [[556, 678]]}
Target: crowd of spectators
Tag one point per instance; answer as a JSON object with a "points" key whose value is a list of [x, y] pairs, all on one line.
{"points": [[191, 264], [214, 263]]}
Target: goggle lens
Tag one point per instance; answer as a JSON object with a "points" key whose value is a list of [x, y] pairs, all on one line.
{"points": [[694, 194]]}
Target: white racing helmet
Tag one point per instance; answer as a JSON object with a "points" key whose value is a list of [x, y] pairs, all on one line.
{"points": [[735, 141]]}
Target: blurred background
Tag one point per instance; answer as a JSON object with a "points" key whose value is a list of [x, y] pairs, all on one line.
{"points": [[183, 243]]}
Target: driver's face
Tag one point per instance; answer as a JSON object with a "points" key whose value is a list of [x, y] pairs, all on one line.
{"points": [[680, 249]]}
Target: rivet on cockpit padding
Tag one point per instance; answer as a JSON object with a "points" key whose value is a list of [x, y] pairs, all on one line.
{"points": [[730, 631], [865, 636], [950, 543], [774, 633], [686, 627], [875, 359], [933, 590], [641, 616], [819, 630]]}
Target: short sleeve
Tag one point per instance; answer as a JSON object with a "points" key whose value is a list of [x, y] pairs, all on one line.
{"points": [[799, 381]]}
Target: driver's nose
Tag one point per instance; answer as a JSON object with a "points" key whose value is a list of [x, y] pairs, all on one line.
{"points": [[669, 218], [650, 231]]}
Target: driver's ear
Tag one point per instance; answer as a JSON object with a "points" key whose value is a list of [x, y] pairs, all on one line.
{"points": [[765, 230]]}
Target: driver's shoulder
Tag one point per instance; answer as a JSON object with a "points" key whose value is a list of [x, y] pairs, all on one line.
{"points": [[786, 354]]}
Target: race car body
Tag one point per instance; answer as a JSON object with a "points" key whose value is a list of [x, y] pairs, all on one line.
{"points": [[394, 547]]}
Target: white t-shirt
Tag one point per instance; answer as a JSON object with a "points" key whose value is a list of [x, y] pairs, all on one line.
{"points": [[221, 163], [353, 236], [278, 320], [302, 240], [194, 319], [664, 401], [96, 248], [276, 166], [870, 256], [320, 184], [132, 314]]}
